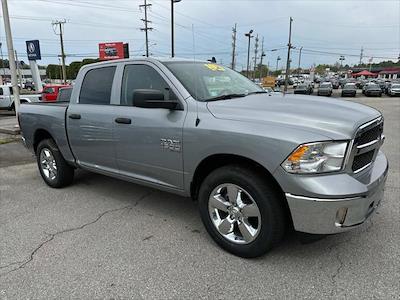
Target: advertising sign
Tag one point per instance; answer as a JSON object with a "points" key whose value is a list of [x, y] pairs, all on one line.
{"points": [[33, 50], [108, 51]]}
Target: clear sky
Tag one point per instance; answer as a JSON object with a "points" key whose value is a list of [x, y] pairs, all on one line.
{"points": [[325, 29]]}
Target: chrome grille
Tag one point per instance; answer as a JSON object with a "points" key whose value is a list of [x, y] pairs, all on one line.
{"points": [[366, 145]]}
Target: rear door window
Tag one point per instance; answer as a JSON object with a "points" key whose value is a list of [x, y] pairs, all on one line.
{"points": [[96, 86], [64, 95]]}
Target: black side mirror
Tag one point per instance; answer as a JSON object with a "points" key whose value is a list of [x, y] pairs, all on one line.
{"points": [[148, 98]]}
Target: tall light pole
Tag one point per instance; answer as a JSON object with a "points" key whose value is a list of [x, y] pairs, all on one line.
{"points": [[301, 48], [248, 51], [11, 55], [341, 58], [172, 27], [277, 62]]}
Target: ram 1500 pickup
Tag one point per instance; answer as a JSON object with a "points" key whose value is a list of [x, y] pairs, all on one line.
{"points": [[256, 162]]}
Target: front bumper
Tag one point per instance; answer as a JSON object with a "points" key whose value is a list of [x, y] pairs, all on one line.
{"points": [[317, 214]]}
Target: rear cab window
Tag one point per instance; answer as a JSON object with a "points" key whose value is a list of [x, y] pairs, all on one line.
{"points": [[97, 85]]}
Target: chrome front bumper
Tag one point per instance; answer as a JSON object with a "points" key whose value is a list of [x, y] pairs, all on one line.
{"points": [[319, 215]]}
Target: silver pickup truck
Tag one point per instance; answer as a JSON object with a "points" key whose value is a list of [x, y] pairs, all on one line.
{"points": [[256, 162]]}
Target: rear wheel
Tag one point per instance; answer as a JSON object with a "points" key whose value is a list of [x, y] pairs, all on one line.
{"points": [[241, 211], [53, 168]]}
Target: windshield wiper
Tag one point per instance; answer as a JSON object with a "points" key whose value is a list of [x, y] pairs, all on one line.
{"points": [[257, 92], [225, 97]]}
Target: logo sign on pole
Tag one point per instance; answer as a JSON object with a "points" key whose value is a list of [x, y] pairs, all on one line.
{"points": [[33, 50], [108, 51]]}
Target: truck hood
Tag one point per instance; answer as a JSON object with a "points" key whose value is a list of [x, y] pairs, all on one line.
{"points": [[332, 118]]}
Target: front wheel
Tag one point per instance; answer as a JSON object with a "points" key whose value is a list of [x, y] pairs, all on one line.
{"points": [[242, 211], [53, 168]]}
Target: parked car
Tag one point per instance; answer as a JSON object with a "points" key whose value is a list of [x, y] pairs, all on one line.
{"points": [[7, 97], [335, 84], [29, 85], [349, 90], [394, 89], [325, 89], [373, 89], [64, 94], [254, 162], [50, 92], [303, 89]]}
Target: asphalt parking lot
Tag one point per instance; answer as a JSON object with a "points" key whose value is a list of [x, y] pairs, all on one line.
{"points": [[105, 238]]}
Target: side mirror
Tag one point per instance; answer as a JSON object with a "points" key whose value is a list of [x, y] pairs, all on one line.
{"points": [[148, 98]]}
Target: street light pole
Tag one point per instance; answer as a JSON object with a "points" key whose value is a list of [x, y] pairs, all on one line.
{"points": [[301, 48], [277, 61], [248, 51], [172, 27], [11, 56]]}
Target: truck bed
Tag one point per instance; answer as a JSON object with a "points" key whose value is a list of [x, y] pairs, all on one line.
{"points": [[48, 118]]}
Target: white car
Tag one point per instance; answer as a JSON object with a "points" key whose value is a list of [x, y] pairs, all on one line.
{"points": [[394, 89], [7, 98]]}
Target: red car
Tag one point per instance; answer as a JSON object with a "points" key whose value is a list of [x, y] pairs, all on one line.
{"points": [[50, 92]]}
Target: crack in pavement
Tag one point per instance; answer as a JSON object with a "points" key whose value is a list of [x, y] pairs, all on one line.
{"points": [[51, 236]]}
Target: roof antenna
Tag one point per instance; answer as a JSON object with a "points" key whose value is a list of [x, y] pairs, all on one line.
{"points": [[195, 79]]}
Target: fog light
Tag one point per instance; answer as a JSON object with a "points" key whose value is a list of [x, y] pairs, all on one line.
{"points": [[341, 216]]}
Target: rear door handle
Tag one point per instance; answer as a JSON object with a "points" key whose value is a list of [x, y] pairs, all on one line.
{"points": [[123, 121], [75, 116]]}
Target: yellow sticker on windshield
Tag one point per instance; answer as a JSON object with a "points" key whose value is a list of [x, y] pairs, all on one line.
{"points": [[214, 67]]}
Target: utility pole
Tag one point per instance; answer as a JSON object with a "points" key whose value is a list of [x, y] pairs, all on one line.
{"points": [[261, 59], [288, 55], [248, 51], [146, 27], [11, 56], [361, 55], [61, 23], [172, 26], [2, 64], [18, 69], [233, 46], [255, 57], [301, 48]]}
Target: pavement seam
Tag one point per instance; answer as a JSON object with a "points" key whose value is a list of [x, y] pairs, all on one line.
{"points": [[51, 236]]}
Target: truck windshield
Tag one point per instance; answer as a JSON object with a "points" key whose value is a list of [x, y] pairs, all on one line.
{"points": [[206, 81]]}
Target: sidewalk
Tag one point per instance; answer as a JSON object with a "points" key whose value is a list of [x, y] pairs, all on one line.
{"points": [[8, 125]]}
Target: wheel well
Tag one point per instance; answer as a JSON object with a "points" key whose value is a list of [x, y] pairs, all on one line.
{"points": [[213, 162], [39, 136], [216, 161]]}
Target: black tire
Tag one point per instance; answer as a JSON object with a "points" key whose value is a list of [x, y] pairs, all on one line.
{"points": [[64, 172], [267, 198], [12, 107]]}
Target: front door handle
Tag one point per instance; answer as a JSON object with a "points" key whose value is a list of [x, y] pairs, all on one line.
{"points": [[75, 116], [123, 121]]}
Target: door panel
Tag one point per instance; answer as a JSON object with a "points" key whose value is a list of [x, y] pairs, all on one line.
{"points": [[90, 121], [91, 136], [140, 151], [150, 146]]}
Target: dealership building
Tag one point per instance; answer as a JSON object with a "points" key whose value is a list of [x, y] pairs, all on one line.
{"points": [[26, 74]]}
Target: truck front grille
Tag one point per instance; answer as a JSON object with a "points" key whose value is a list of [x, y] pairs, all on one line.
{"points": [[362, 160], [366, 145]]}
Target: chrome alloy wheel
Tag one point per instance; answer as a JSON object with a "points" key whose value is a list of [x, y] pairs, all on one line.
{"points": [[234, 213], [48, 164]]}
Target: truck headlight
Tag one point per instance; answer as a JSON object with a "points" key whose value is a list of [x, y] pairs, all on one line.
{"points": [[318, 157]]}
